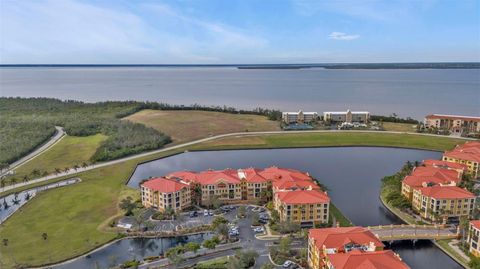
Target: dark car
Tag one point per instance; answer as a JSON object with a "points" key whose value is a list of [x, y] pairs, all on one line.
{"points": [[193, 214]]}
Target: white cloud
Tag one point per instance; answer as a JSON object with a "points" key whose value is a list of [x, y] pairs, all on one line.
{"points": [[342, 36], [73, 31]]}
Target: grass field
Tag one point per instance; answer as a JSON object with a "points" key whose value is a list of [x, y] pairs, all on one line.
{"points": [[69, 151], [75, 217], [334, 139], [189, 125], [399, 127]]}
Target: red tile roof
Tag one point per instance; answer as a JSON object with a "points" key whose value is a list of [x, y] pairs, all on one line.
{"points": [[452, 117], [475, 223], [252, 175], [275, 173], [446, 192], [445, 165], [469, 151], [385, 259], [338, 237], [213, 177], [445, 174], [291, 185], [303, 197], [164, 185]]}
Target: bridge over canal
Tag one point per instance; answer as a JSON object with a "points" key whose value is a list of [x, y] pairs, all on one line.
{"points": [[414, 232]]}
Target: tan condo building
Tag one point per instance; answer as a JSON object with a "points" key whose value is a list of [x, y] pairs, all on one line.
{"points": [[453, 123], [473, 238], [347, 116], [299, 117], [467, 154]]}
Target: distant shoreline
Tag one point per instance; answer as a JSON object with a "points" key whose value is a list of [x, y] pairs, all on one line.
{"points": [[439, 65]]}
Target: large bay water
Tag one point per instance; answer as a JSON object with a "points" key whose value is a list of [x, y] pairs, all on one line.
{"points": [[352, 175], [407, 92]]}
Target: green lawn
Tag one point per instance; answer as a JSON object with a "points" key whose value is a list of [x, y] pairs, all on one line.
{"points": [[76, 217], [336, 139], [339, 217], [71, 150]]}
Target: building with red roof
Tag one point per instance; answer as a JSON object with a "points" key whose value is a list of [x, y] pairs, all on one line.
{"points": [[460, 168], [343, 247], [428, 176], [385, 259], [307, 207], [162, 193], [249, 184], [473, 240], [438, 202], [453, 123], [467, 154]]}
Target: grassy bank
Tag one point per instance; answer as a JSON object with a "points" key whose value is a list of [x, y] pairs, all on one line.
{"points": [[339, 217], [334, 139], [74, 217]]}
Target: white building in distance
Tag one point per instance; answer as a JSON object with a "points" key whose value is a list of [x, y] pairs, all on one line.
{"points": [[299, 117], [347, 116]]}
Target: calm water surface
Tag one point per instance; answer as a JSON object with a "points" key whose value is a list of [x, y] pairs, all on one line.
{"points": [[412, 93], [351, 173]]}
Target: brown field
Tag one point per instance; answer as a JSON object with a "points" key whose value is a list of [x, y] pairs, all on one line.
{"points": [[399, 127], [185, 126]]}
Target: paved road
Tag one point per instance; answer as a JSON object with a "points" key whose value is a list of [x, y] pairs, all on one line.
{"points": [[145, 154], [59, 134]]}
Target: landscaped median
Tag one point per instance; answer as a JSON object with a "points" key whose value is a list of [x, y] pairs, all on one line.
{"points": [[76, 218]]}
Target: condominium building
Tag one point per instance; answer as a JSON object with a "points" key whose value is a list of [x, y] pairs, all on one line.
{"points": [[442, 202], [162, 193], [348, 247], [347, 116], [467, 154], [424, 176], [299, 117], [306, 207], [453, 123], [473, 240], [460, 168], [234, 186]]}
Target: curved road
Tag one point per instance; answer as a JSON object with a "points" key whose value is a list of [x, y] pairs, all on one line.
{"points": [[59, 134], [132, 157]]}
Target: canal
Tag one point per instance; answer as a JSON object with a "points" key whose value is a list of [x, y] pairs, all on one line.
{"points": [[352, 175]]}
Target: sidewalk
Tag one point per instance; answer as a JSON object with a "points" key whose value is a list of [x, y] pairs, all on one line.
{"points": [[191, 255]]}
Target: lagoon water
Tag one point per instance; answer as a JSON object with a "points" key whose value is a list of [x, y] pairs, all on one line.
{"points": [[407, 92], [352, 175]]}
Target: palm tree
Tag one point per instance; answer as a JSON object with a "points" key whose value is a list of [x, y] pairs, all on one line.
{"points": [[5, 204], [57, 171], [13, 180], [27, 196], [76, 166], [5, 241], [84, 164], [44, 236], [25, 178], [66, 169], [35, 173], [15, 199]]}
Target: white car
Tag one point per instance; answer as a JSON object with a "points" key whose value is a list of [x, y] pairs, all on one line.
{"points": [[205, 212], [287, 264]]}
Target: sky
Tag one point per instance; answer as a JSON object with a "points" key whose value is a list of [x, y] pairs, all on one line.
{"points": [[238, 31]]}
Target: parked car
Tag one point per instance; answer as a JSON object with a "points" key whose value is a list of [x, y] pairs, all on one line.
{"points": [[258, 230], [210, 212], [205, 212], [287, 264], [193, 214]]}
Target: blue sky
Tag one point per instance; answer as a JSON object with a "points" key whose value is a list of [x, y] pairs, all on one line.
{"points": [[243, 31]]}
